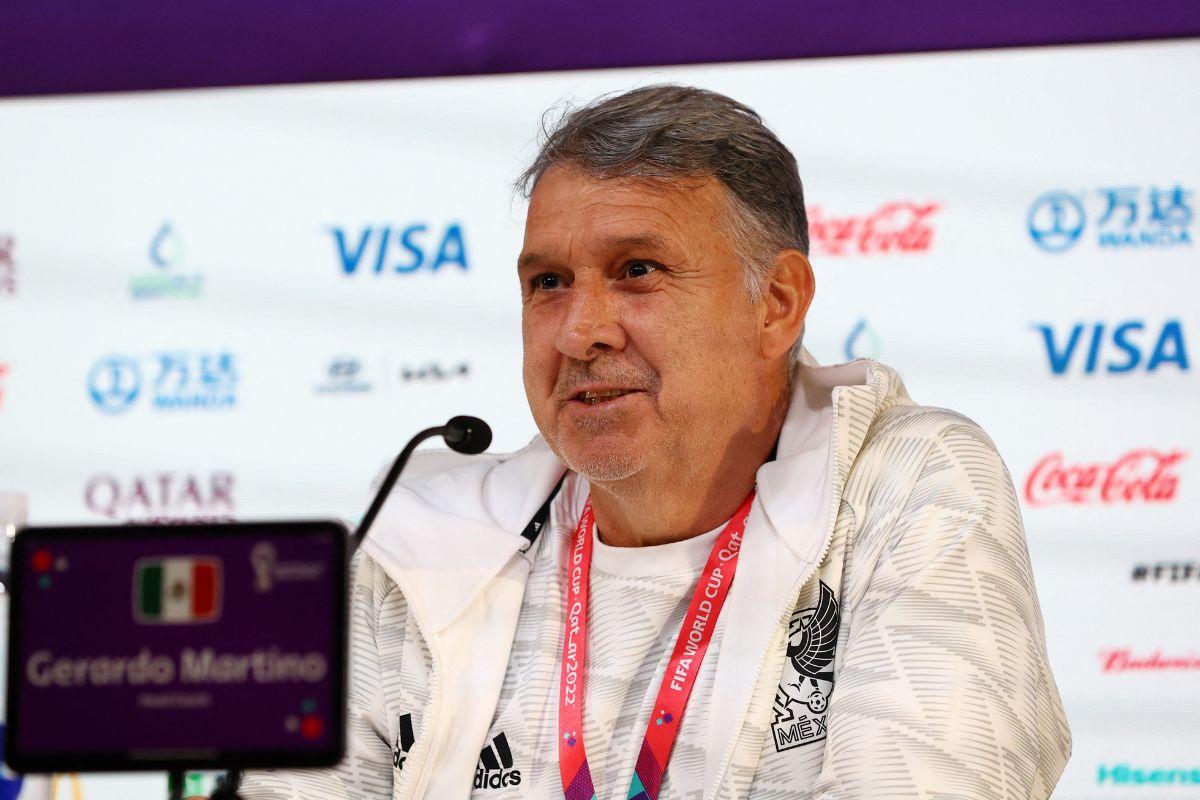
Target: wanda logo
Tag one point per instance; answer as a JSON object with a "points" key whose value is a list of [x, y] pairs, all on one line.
{"points": [[1144, 475], [899, 226]]}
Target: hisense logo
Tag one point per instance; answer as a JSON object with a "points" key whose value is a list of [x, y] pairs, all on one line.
{"points": [[495, 766], [1124, 775]]}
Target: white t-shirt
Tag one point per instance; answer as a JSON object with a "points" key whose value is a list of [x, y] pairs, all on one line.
{"points": [[638, 598]]}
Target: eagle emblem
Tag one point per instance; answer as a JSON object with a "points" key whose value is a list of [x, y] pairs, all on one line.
{"points": [[802, 699]]}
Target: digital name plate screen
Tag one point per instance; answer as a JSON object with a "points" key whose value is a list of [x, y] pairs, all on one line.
{"points": [[151, 647]]}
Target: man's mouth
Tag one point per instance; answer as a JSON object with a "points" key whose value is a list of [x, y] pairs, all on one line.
{"points": [[596, 398]]}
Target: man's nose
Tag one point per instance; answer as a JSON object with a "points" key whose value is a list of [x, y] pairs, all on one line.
{"points": [[591, 325]]}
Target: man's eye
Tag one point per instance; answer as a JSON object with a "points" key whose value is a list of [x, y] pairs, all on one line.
{"points": [[640, 269], [546, 282]]}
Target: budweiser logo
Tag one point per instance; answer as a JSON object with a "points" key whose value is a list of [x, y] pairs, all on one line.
{"points": [[895, 227], [1123, 660], [1144, 475]]}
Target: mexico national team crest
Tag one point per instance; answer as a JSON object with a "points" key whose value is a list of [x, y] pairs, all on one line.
{"points": [[802, 699]]}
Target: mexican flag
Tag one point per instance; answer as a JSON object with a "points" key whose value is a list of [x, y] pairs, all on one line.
{"points": [[177, 590]]}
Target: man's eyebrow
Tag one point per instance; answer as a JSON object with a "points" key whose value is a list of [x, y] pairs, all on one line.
{"points": [[529, 259], [651, 241]]}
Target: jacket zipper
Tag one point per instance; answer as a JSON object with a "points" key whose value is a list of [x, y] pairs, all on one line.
{"points": [[420, 778], [795, 596]]}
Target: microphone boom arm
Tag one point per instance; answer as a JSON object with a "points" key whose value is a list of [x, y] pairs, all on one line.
{"points": [[467, 435], [392, 476]]}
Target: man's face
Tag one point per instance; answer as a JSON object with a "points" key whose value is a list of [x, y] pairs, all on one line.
{"points": [[641, 342]]}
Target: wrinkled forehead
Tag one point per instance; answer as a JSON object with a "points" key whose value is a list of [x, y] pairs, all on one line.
{"points": [[570, 208]]}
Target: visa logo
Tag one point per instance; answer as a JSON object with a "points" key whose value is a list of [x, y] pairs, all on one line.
{"points": [[1123, 347], [387, 248]]}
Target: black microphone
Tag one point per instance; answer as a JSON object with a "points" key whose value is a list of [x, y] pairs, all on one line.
{"points": [[469, 435]]}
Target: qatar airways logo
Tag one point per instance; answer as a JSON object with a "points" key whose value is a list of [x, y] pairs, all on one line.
{"points": [[1140, 476], [1124, 659], [897, 226], [161, 496]]}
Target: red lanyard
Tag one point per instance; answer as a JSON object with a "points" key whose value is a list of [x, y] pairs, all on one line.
{"points": [[677, 682]]}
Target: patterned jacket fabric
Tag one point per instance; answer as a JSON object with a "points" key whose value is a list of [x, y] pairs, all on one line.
{"points": [[882, 638]]}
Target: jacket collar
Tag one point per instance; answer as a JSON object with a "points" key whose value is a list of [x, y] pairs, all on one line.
{"points": [[441, 537], [830, 412]]}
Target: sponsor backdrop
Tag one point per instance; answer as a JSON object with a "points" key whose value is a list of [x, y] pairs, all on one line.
{"points": [[240, 303]]}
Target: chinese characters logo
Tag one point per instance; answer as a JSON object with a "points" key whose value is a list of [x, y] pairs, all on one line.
{"points": [[1118, 216], [177, 379]]}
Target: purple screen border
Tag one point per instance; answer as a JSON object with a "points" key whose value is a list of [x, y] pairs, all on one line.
{"points": [[71, 46]]}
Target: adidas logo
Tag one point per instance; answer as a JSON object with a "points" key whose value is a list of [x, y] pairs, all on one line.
{"points": [[404, 741], [495, 766]]}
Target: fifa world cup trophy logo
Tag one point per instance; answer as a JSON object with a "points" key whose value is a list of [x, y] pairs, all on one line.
{"points": [[263, 558]]}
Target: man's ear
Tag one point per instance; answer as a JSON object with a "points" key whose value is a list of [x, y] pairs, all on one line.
{"points": [[789, 291]]}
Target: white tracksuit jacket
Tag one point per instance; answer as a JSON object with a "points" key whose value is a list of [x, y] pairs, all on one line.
{"points": [[939, 685]]}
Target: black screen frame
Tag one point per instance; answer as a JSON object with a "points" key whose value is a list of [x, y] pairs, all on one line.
{"points": [[202, 758]]}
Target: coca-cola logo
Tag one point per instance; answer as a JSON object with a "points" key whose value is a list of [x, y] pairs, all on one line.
{"points": [[162, 496], [898, 226], [1139, 476], [1123, 659]]}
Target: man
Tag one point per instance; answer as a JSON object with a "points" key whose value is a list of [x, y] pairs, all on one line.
{"points": [[760, 578]]}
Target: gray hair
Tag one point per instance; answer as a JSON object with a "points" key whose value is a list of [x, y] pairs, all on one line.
{"points": [[667, 132]]}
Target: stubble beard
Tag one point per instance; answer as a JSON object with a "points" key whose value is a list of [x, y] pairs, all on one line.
{"points": [[605, 464], [621, 457]]}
